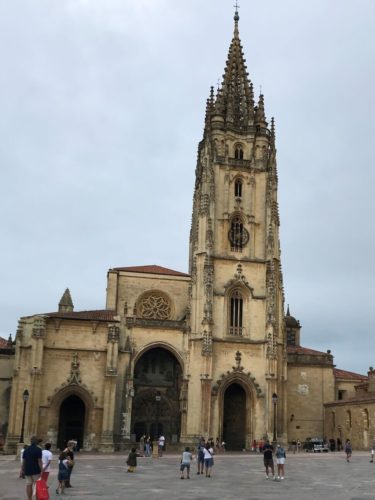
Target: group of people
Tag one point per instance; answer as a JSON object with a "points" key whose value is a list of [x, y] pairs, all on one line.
{"points": [[268, 453], [36, 464], [146, 446]]}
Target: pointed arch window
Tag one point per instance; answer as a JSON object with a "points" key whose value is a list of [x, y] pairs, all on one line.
{"points": [[238, 152], [236, 313], [238, 234], [238, 188]]}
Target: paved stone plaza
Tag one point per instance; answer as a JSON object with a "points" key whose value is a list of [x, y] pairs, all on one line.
{"points": [[235, 476]]}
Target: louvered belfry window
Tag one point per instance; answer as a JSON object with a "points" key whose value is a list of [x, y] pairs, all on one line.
{"points": [[236, 313]]}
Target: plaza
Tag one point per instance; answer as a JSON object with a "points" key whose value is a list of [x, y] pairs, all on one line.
{"points": [[237, 476]]}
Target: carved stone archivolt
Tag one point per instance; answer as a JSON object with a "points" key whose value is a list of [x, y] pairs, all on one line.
{"points": [[239, 279], [236, 374], [154, 305]]}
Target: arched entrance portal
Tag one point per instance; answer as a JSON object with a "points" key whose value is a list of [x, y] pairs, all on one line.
{"points": [[157, 385], [71, 421], [234, 419]]}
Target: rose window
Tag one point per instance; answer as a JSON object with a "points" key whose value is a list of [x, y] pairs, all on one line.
{"points": [[155, 307]]}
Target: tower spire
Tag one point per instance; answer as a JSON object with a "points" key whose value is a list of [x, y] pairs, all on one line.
{"points": [[235, 101]]}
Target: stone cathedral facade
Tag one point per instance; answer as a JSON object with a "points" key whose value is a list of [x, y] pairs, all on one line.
{"points": [[193, 354]]}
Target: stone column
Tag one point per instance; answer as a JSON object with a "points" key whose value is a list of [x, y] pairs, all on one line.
{"points": [[109, 402]]}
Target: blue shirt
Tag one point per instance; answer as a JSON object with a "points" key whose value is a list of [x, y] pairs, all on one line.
{"points": [[30, 460]]}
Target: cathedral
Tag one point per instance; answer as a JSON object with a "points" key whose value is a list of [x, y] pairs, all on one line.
{"points": [[210, 352]]}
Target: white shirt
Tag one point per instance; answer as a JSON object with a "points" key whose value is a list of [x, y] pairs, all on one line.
{"points": [[208, 452], [46, 457], [161, 441]]}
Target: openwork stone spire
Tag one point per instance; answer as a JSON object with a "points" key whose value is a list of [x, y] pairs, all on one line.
{"points": [[66, 303], [235, 102]]}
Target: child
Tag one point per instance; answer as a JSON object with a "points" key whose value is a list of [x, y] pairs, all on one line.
{"points": [[186, 459], [132, 460], [46, 460], [63, 474]]}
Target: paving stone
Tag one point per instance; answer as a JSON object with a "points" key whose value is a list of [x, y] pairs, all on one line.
{"points": [[235, 477]]}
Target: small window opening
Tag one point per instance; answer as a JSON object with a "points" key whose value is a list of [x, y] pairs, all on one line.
{"points": [[238, 188], [236, 314], [238, 152]]}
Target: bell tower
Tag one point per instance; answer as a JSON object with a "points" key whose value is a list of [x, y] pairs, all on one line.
{"points": [[236, 294]]}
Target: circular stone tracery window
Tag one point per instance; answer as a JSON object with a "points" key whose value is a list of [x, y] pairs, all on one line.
{"points": [[154, 306]]}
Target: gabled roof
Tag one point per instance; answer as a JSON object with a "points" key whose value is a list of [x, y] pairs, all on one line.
{"points": [[349, 375], [3, 343], [98, 315], [152, 269], [297, 349]]}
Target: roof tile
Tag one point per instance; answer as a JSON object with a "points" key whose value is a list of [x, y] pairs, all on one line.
{"points": [[153, 269], [98, 315], [348, 375]]}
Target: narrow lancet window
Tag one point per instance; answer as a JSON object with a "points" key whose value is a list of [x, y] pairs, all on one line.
{"points": [[236, 314], [238, 152], [238, 188]]}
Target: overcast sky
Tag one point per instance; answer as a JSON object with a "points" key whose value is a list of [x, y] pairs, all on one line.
{"points": [[101, 110]]}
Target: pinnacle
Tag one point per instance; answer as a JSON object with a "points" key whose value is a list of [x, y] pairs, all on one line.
{"points": [[66, 303], [260, 117]]}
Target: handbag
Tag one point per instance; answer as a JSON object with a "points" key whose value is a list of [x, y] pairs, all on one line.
{"points": [[41, 490]]}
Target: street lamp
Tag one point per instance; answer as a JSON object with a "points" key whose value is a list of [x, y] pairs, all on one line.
{"points": [[25, 397], [274, 401], [157, 399]]}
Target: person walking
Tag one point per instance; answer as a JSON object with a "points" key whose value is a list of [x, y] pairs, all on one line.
{"points": [[161, 444], [63, 473], [186, 459], [208, 458], [32, 465], [268, 459], [142, 444], [69, 450], [372, 450], [46, 461], [200, 456], [299, 445], [132, 460], [294, 446], [147, 446], [280, 461], [348, 450]]}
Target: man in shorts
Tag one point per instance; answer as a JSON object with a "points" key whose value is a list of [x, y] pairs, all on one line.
{"points": [[268, 459], [32, 465]]}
